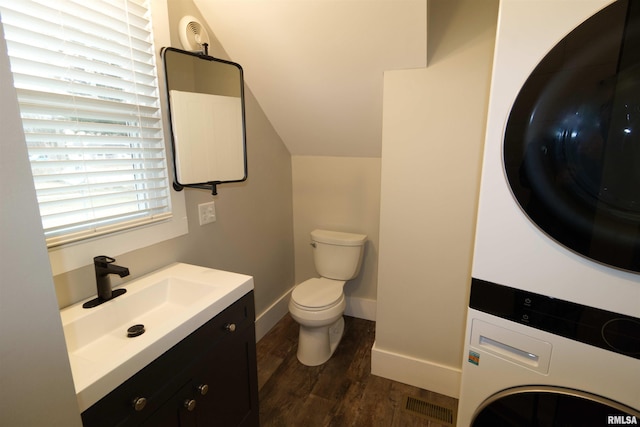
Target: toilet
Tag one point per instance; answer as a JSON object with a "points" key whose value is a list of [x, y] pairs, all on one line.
{"points": [[318, 304]]}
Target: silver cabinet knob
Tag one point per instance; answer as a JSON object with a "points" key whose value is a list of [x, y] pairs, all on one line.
{"points": [[231, 327], [190, 404], [139, 403], [203, 389]]}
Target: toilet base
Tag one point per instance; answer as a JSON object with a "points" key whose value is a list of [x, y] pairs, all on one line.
{"points": [[317, 345]]}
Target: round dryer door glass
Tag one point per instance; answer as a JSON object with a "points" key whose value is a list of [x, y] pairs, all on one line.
{"points": [[572, 140], [552, 407]]}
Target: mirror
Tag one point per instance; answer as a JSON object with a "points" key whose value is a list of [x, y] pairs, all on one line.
{"points": [[206, 109]]}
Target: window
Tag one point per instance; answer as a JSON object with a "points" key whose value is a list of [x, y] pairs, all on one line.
{"points": [[87, 85]]}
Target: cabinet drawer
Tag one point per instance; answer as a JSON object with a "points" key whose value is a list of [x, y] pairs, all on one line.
{"points": [[163, 377]]}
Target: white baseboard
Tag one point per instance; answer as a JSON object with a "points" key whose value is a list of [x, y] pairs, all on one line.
{"points": [[416, 372], [361, 308], [356, 307], [272, 315]]}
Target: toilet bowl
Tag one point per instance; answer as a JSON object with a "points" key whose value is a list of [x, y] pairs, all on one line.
{"points": [[318, 304], [320, 317]]}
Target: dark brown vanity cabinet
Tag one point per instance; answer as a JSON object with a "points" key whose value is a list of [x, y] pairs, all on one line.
{"points": [[208, 379]]}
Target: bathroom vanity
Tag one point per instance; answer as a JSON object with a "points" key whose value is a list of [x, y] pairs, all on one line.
{"points": [[176, 349], [208, 379]]}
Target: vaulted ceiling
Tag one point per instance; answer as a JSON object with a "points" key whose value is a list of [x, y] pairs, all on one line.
{"points": [[316, 66]]}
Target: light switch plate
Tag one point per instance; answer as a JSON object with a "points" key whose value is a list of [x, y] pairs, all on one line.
{"points": [[207, 212]]}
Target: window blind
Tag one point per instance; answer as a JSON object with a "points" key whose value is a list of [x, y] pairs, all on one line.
{"points": [[85, 75]]}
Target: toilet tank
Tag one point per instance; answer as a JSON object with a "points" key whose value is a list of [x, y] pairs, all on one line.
{"points": [[337, 255]]}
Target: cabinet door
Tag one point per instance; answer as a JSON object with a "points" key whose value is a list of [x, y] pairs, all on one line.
{"points": [[178, 411], [230, 372], [166, 416]]}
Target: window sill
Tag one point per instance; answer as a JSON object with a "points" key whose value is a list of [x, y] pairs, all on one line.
{"points": [[76, 255]]}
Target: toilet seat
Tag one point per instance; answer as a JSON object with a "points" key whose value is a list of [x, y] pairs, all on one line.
{"points": [[318, 294]]}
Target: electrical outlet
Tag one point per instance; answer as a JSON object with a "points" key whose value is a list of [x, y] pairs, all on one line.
{"points": [[207, 212]]}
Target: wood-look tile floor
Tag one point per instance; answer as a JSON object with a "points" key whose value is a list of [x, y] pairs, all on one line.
{"points": [[341, 392]]}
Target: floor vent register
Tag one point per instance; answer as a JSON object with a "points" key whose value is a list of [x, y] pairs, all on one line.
{"points": [[429, 410]]}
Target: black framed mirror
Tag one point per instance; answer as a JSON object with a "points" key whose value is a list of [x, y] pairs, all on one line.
{"points": [[207, 119]]}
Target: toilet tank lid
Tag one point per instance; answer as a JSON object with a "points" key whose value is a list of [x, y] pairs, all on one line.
{"points": [[338, 238]]}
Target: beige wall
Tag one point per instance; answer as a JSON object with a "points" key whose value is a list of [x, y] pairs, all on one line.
{"points": [[253, 233], [341, 194], [37, 388], [433, 131]]}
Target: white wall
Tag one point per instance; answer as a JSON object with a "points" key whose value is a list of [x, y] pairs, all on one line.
{"points": [[317, 66], [433, 129], [341, 194], [35, 376]]}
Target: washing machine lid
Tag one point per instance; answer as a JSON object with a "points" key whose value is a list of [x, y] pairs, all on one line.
{"points": [[318, 293]]}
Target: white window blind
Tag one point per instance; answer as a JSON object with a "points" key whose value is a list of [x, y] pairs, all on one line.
{"points": [[85, 75]]}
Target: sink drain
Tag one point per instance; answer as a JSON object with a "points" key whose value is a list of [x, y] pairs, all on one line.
{"points": [[135, 331]]}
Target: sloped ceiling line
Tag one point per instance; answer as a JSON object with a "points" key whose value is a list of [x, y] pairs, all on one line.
{"points": [[316, 66]]}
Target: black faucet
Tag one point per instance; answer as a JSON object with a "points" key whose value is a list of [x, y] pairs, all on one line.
{"points": [[104, 267]]}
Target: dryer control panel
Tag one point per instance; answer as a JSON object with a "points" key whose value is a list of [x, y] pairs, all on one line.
{"points": [[611, 331]]}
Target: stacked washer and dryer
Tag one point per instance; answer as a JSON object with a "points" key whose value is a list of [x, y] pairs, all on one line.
{"points": [[553, 326]]}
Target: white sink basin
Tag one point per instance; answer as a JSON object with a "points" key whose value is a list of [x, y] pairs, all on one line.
{"points": [[170, 303]]}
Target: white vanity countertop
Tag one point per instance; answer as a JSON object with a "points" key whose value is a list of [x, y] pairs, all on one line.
{"points": [[171, 303]]}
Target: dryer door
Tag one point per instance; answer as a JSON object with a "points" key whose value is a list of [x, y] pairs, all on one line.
{"points": [[552, 407], [572, 140]]}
